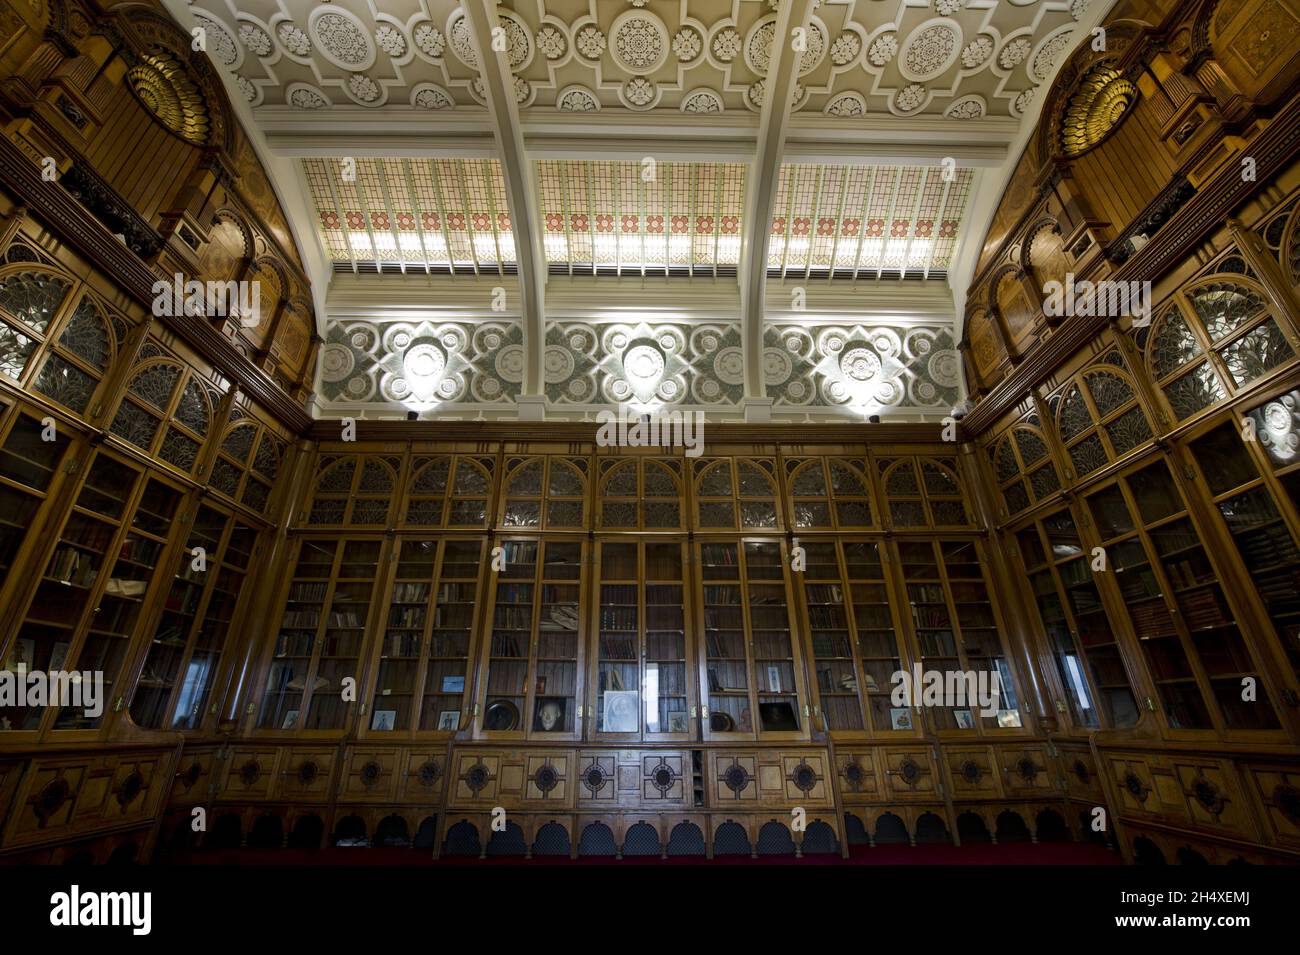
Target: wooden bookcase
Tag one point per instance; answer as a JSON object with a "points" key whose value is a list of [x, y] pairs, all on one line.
{"points": [[752, 673], [321, 635], [1084, 646], [1169, 583], [423, 678], [532, 656], [186, 647], [642, 677]]}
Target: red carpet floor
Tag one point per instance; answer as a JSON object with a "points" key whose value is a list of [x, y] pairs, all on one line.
{"points": [[1052, 853]]}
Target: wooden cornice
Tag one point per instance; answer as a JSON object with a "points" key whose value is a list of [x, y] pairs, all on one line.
{"points": [[1212, 204], [585, 432], [63, 214]]}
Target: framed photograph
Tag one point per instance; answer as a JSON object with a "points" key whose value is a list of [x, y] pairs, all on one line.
{"points": [[678, 723], [549, 715], [1008, 718], [965, 719], [383, 720], [290, 720], [900, 718], [58, 657], [453, 684], [541, 686], [449, 720], [22, 655], [621, 712], [774, 679]]}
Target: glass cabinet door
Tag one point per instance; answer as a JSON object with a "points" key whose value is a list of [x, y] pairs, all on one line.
{"points": [[427, 636], [956, 630], [836, 672], [1252, 512], [534, 643], [1170, 588], [754, 680], [878, 631], [167, 649], [215, 622], [641, 683], [66, 592], [1083, 643], [321, 635], [27, 467]]}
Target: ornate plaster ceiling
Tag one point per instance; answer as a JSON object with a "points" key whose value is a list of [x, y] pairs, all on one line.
{"points": [[664, 232], [963, 59]]}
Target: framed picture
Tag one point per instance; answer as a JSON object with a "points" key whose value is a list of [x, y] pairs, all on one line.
{"points": [[453, 684], [541, 686], [965, 719], [621, 712], [22, 655], [774, 679], [383, 720], [290, 720], [449, 720], [1008, 718], [900, 718], [677, 722], [549, 715]]}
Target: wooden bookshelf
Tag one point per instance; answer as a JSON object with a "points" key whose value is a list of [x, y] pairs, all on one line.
{"points": [[533, 648], [423, 680], [641, 680], [1084, 645], [189, 638], [1169, 585], [752, 677], [321, 634]]}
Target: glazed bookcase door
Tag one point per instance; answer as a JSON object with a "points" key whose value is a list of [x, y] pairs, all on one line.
{"points": [[29, 468], [878, 630], [97, 582], [956, 628], [189, 636], [753, 678], [1237, 476], [321, 635], [1088, 658], [641, 684], [830, 636], [1187, 628], [422, 678], [533, 646]]}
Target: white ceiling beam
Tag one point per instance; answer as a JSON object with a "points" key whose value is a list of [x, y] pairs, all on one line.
{"points": [[760, 194], [521, 197]]}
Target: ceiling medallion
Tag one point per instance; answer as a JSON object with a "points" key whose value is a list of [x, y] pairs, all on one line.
{"points": [[166, 90], [702, 100], [342, 38], [293, 40], [929, 51], [970, 107], [639, 41], [590, 42], [577, 99], [910, 98]]}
